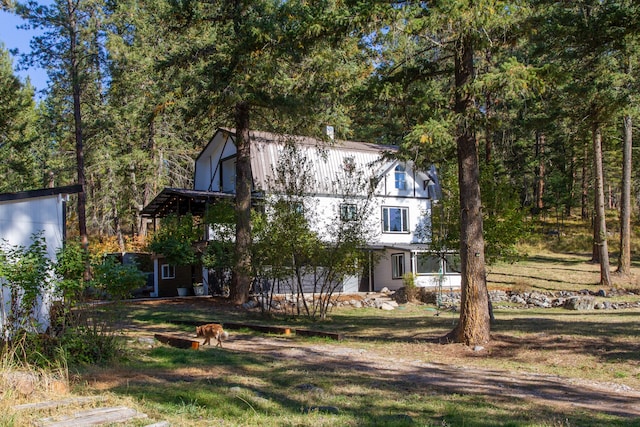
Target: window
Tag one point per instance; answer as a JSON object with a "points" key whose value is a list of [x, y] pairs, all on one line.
{"points": [[395, 220], [168, 271], [397, 266], [452, 263], [228, 175], [400, 174], [348, 212], [428, 264]]}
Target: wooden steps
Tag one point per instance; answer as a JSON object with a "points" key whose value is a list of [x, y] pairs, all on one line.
{"points": [[94, 416]]}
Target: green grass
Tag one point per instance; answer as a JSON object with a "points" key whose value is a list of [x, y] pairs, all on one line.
{"points": [[226, 387], [250, 390], [243, 388]]}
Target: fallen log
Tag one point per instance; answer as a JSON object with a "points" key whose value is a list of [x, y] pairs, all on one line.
{"points": [[178, 342]]}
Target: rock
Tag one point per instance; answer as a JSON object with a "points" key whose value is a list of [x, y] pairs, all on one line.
{"points": [[601, 293], [517, 299], [580, 303], [384, 290], [23, 382], [250, 304], [147, 341], [478, 348], [386, 306]]}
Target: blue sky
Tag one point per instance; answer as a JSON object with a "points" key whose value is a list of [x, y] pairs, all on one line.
{"points": [[14, 38]]}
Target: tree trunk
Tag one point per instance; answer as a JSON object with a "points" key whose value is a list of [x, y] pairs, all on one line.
{"points": [[241, 284], [150, 188], [584, 201], [572, 184], [474, 324], [600, 220], [539, 184], [624, 260], [77, 120], [595, 224]]}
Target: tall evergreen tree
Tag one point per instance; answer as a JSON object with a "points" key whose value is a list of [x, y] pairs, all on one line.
{"points": [[18, 148], [588, 45], [250, 63], [67, 50], [442, 44]]}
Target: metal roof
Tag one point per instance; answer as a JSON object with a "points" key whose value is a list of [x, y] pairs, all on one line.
{"points": [[29, 194], [328, 162]]}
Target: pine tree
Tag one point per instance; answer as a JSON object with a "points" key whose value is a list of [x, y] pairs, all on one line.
{"points": [[18, 147], [68, 51], [253, 63]]}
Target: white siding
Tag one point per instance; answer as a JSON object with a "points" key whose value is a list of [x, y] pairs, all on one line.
{"points": [[329, 165], [19, 220]]}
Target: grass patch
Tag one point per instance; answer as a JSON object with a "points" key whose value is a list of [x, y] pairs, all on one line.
{"points": [[232, 387]]}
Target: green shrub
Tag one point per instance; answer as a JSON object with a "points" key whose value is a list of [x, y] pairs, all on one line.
{"points": [[89, 345], [117, 280]]}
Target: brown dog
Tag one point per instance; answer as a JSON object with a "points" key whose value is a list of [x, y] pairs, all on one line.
{"points": [[212, 330]]}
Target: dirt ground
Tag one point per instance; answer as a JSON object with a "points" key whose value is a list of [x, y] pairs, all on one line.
{"points": [[406, 371]]}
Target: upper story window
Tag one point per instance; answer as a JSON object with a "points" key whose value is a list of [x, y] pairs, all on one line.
{"points": [[228, 175], [401, 177], [348, 212], [395, 220]]}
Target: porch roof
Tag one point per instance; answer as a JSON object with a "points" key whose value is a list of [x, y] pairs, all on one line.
{"points": [[407, 247], [182, 201]]}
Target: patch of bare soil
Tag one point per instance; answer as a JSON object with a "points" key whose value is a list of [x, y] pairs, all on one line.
{"points": [[409, 374]]}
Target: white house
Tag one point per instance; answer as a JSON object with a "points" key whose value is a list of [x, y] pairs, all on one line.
{"points": [[26, 213], [402, 198]]}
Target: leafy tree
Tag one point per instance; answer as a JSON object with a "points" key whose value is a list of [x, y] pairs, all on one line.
{"points": [[295, 251], [175, 238]]}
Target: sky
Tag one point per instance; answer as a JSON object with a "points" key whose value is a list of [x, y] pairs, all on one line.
{"points": [[14, 38]]}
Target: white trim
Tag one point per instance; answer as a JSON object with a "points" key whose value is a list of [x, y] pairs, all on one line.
{"points": [[168, 271]]}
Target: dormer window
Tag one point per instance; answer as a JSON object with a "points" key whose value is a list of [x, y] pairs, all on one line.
{"points": [[401, 175]]}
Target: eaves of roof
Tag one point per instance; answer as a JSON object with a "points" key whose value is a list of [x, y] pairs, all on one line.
{"points": [[42, 192]]}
